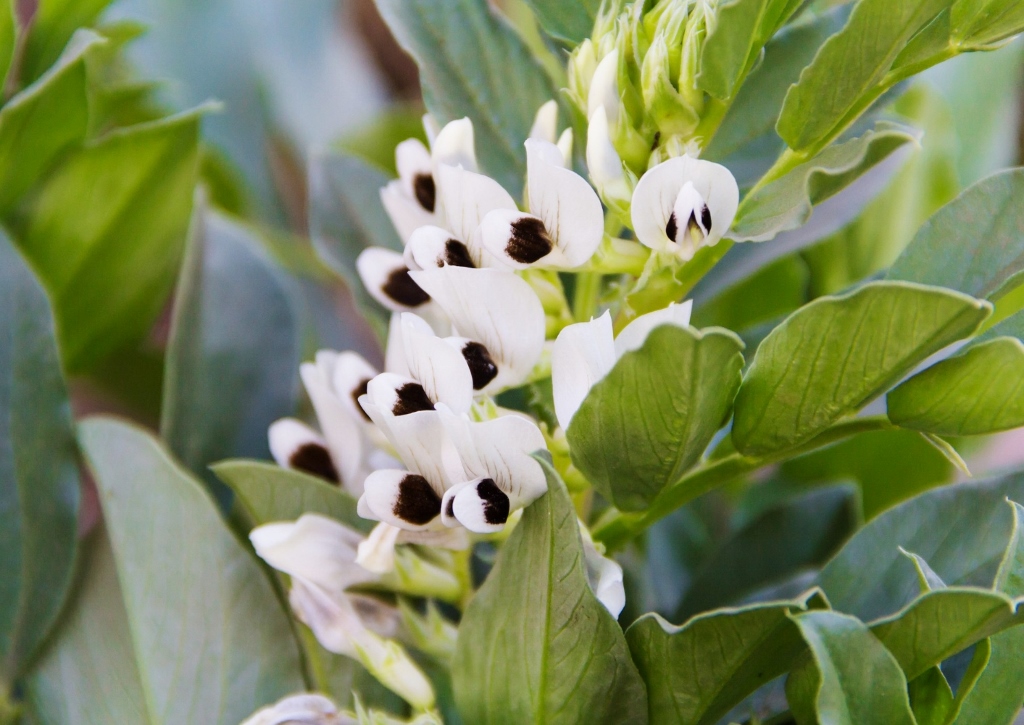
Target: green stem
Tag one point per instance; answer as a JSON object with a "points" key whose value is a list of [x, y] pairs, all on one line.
{"points": [[584, 300], [616, 528]]}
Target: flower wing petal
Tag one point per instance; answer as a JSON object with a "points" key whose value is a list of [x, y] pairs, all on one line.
{"points": [[583, 353]]}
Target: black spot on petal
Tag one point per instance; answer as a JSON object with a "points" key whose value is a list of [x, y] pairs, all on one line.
{"points": [[456, 254], [425, 190], [358, 392], [412, 398], [529, 241], [705, 218], [315, 459], [657, 140], [481, 364], [495, 502], [449, 510], [417, 502], [671, 229], [400, 287]]}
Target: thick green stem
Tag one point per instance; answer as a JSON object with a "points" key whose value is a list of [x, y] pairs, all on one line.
{"points": [[616, 528], [584, 300]]}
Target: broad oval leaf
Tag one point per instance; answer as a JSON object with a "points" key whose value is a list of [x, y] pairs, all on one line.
{"points": [[569, 22], [212, 641], [985, 22], [848, 72], [535, 644], [850, 677], [472, 63], [974, 244], [697, 672], [39, 486], [787, 202], [834, 355], [979, 391], [234, 348], [106, 234], [650, 419]]}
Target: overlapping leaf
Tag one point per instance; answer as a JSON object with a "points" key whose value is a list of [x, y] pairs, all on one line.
{"points": [[568, 22]]}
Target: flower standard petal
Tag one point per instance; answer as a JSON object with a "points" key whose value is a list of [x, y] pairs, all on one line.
{"points": [[432, 246], [633, 335], [545, 122], [341, 430], [416, 173], [404, 211], [468, 197], [565, 202], [301, 709], [494, 308], [386, 277], [295, 445], [440, 368], [481, 506], [352, 373], [454, 145], [583, 353]]}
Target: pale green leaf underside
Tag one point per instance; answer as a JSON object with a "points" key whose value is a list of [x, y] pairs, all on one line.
{"points": [[570, 22]]}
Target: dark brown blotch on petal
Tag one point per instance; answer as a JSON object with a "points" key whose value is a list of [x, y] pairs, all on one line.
{"points": [[358, 392], [481, 364], [417, 502], [450, 508], [411, 398], [313, 458], [425, 190], [495, 502], [671, 229], [402, 289], [529, 241], [705, 218], [456, 254]]}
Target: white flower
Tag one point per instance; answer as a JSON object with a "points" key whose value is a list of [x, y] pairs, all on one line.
{"points": [[604, 575], [412, 199], [603, 161], [545, 128], [586, 351], [566, 221], [385, 275], [604, 87], [683, 204], [304, 709], [498, 315], [502, 475]]}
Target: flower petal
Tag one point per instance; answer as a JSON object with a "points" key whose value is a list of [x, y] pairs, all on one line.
{"points": [[583, 353], [545, 122], [604, 575], [394, 353], [455, 539], [568, 206], [657, 193], [376, 553], [301, 709], [565, 147], [405, 212], [603, 162], [518, 239], [494, 308], [403, 499], [481, 506], [454, 145], [315, 548], [604, 88], [416, 172], [352, 373], [341, 429], [333, 619], [295, 445], [468, 197], [386, 277], [633, 335], [432, 246], [440, 368], [448, 517]]}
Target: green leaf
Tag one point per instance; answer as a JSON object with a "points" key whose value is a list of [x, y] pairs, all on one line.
{"points": [[89, 672], [569, 22], [472, 63], [786, 203], [29, 147], [650, 419], [834, 355], [930, 697], [697, 672], [54, 24], [974, 244], [345, 217], [39, 486], [535, 644], [847, 73], [850, 677], [9, 32], [234, 348], [978, 391], [271, 493], [107, 232], [798, 534], [212, 641], [741, 29], [984, 22], [927, 579]]}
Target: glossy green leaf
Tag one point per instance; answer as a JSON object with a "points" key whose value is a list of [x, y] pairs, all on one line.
{"points": [[345, 217], [54, 24], [271, 493], [974, 244], [89, 673], [569, 22], [787, 202], [39, 486], [741, 29], [834, 355], [850, 678], [29, 148], [535, 644], [234, 348], [847, 73], [799, 534], [467, 55], [978, 391], [930, 697], [985, 22], [212, 641], [650, 419], [107, 233]]}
